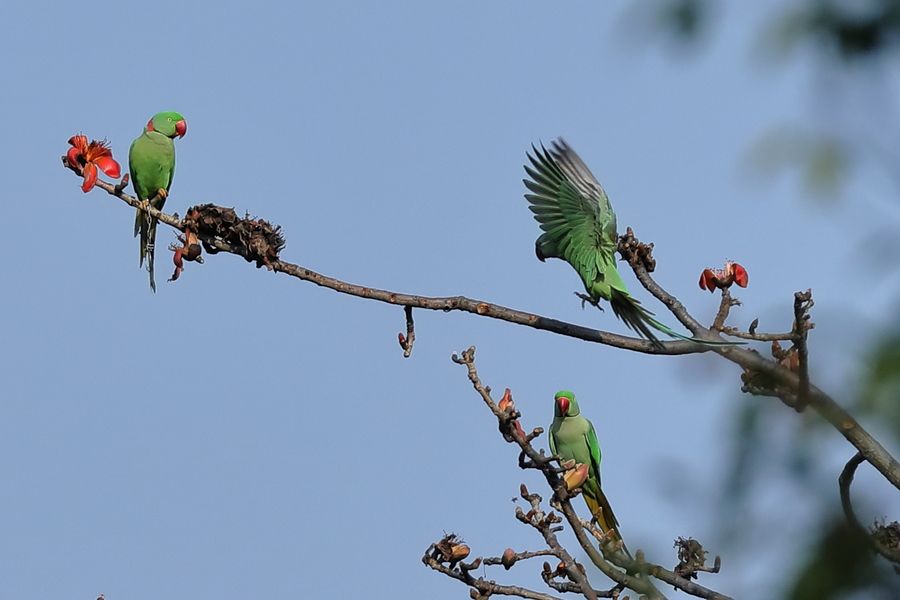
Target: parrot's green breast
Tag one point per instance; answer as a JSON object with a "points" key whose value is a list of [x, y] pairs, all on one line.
{"points": [[569, 436], [151, 161]]}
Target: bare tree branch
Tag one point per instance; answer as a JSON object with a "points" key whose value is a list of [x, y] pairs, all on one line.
{"points": [[511, 557], [641, 260], [789, 381], [485, 588]]}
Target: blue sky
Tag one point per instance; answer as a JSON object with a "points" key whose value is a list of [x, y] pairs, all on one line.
{"points": [[242, 433]]}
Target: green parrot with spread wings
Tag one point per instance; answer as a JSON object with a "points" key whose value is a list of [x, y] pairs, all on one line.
{"points": [[151, 161], [579, 227]]}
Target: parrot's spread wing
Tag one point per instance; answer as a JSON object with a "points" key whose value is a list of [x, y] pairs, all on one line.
{"points": [[573, 211]]}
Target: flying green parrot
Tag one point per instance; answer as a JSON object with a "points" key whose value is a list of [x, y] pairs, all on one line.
{"points": [[580, 227], [151, 160], [572, 437]]}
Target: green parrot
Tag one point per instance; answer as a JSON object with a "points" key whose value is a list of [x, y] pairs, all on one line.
{"points": [[572, 437], [580, 227], [151, 160]]}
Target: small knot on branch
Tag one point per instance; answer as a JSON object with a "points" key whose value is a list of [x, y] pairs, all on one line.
{"points": [[466, 358], [636, 252]]}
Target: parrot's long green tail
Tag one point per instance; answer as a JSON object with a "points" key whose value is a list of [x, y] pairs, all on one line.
{"points": [[640, 320], [146, 228]]}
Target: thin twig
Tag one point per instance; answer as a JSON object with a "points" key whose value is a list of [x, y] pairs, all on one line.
{"points": [[407, 341], [516, 557], [639, 255], [485, 587], [803, 301], [758, 337], [724, 308]]}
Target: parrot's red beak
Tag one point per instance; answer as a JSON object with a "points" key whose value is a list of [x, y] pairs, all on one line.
{"points": [[181, 128], [150, 125], [563, 403]]}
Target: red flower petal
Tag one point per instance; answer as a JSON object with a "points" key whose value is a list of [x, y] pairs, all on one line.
{"points": [[73, 155], [740, 275], [518, 429], [109, 166], [708, 280], [79, 141], [90, 177]]}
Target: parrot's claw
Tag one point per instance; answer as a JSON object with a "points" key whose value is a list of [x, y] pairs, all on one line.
{"points": [[585, 299], [162, 193]]}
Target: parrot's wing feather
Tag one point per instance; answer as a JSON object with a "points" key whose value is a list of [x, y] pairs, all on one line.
{"points": [[593, 444], [552, 442], [572, 209]]}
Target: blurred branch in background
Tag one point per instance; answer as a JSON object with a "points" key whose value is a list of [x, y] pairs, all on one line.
{"points": [[851, 50]]}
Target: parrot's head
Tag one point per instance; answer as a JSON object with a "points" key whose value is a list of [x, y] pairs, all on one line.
{"points": [[170, 124], [565, 404]]}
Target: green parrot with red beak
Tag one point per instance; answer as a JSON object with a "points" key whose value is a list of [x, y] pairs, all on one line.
{"points": [[572, 437], [151, 161]]}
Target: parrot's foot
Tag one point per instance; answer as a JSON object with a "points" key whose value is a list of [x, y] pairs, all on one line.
{"points": [[585, 299], [162, 194]]}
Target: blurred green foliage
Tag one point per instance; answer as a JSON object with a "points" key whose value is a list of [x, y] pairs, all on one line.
{"points": [[769, 440], [880, 388], [839, 562]]}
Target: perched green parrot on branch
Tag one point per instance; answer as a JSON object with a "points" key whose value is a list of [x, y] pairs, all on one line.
{"points": [[151, 160], [580, 227], [572, 437]]}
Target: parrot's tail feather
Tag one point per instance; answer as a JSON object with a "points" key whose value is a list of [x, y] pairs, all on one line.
{"points": [[141, 228], [640, 320], [602, 512], [150, 250], [146, 228], [636, 317]]}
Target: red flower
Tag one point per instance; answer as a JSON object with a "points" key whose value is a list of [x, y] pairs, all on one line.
{"points": [[710, 279], [90, 157], [506, 404]]}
